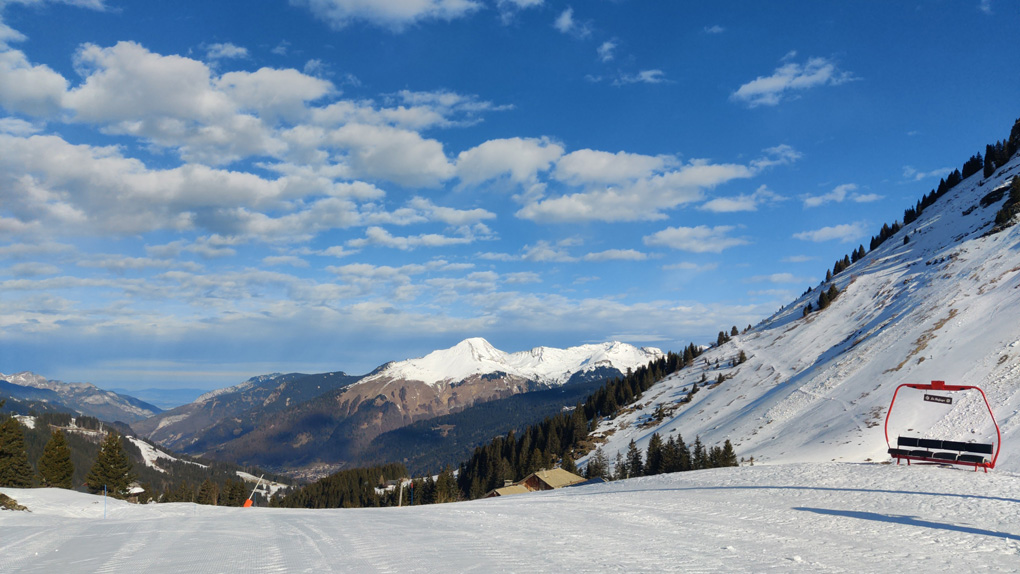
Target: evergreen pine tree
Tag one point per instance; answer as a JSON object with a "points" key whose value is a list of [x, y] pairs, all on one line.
{"points": [[208, 492], [683, 453], [567, 463], [635, 466], [14, 468], [990, 158], [620, 468], [729, 456], [112, 468], [446, 487], [670, 456], [234, 493], [699, 458], [653, 457], [55, 466], [597, 466]]}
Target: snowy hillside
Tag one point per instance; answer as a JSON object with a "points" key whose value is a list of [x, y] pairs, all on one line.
{"points": [[789, 518], [544, 365], [942, 305]]}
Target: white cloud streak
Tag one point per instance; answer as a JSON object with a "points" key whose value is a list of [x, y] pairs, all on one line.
{"points": [[844, 233], [788, 80]]}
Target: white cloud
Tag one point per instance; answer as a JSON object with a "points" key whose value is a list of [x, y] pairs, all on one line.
{"points": [[401, 156], [273, 93], [589, 166], [519, 158], [393, 14], [545, 252], [32, 269], [81, 189], [643, 198], [789, 78], [839, 194], [449, 215], [521, 278], [692, 267], [29, 89], [700, 239], [798, 259], [714, 29], [642, 77], [845, 233], [617, 255], [911, 174], [778, 278], [291, 260], [18, 127], [743, 202], [565, 23], [509, 8], [225, 51], [985, 6], [605, 51], [281, 48], [377, 236]]}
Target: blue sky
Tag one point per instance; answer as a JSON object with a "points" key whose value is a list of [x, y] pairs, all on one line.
{"points": [[192, 194]]}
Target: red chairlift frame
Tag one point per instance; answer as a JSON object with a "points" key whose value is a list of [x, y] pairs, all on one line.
{"points": [[942, 386]]}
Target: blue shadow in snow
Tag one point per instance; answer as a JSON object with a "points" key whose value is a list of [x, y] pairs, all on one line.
{"points": [[909, 521]]}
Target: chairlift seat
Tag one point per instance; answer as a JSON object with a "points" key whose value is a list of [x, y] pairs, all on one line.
{"points": [[938, 451]]}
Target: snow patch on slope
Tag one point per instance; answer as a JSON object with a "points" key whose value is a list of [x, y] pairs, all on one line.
{"points": [[151, 455]]}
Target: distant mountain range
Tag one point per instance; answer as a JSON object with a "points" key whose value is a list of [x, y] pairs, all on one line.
{"points": [[223, 415], [286, 421], [82, 398], [163, 398]]}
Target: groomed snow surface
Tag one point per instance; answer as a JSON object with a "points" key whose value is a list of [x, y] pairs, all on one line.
{"points": [[828, 517]]}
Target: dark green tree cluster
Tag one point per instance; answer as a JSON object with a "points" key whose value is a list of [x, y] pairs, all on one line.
{"points": [[827, 297], [885, 233], [15, 471], [997, 154], [112, 469], [439, 490], [673, 455], [973, 165], [354, 488], [841, 265]]}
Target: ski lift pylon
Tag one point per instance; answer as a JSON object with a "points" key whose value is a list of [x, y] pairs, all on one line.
{"points": [[926, 449]]}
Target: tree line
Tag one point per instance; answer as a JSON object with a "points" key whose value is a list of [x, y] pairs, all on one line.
{"points": [[996, 155], [48, 456], [673, 455]]}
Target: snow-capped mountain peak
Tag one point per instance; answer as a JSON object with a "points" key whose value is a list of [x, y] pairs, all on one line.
{"points": [[544, 365]]}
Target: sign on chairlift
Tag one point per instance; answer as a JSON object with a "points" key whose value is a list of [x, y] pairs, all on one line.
{"points": [[938, 399]]}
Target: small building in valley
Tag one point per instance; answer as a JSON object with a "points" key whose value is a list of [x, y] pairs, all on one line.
{"points": [[536, 481]]}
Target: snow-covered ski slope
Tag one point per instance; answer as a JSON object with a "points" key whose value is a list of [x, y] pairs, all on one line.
{"points": [[943, 306], [827, 517]]}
